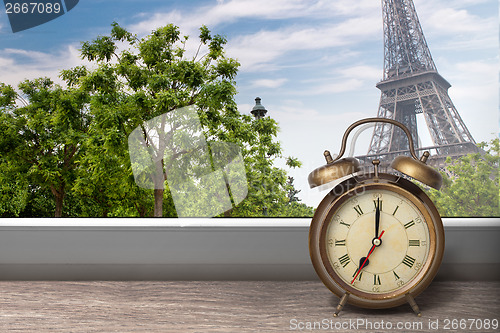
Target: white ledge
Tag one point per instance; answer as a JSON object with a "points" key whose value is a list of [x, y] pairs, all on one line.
{"points": [[453, 222], [155, 222], [202, 249]]}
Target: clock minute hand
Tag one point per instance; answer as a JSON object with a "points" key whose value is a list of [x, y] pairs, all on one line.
{"points": [[377, 217], [368, 256]]}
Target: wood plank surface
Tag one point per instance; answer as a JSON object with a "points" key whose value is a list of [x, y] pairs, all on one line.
{"points": [[229, 306]]}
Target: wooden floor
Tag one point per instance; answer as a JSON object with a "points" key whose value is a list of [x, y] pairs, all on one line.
{"points": [[232, 306]]}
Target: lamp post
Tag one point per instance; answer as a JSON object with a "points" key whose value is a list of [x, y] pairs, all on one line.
{"points": [[259, 112]]}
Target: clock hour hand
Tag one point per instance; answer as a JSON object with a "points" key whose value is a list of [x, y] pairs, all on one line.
{"points": [[362, 260]]}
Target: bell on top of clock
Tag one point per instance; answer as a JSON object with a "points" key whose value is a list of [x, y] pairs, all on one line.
{"points": [[337, 168]]}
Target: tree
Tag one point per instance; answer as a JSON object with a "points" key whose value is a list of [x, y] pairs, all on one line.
{"points": [[472, 187], [153, 76], [292, 192], [41, 140], [294, 207]]}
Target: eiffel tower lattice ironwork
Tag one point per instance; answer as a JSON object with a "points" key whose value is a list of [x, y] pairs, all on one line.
{"points": [[411, 85]]}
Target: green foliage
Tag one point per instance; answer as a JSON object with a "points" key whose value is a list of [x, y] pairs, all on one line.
{"points": [[291, 191], [65, 149], [41, 140], [13, 192], [471, 187], [39, 203], [294, 207], [152, 76]]}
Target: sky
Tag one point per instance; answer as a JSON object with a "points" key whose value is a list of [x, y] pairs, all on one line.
{"points": [[314, 63]]}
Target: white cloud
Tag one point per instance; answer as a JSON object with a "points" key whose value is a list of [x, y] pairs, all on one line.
{"points": [[336, 86], [344, 79], [306, 133], [293, 110], [6, 62], [224, 11], [229, 11], [452, 25], [450, 20], [474, 81], [17, 65], [474, 92], [269, 83], [3, 18], [152, 21], [328, 24], [341, 56], [256, 51], [345, 7], [478, 71], [363, 72]]}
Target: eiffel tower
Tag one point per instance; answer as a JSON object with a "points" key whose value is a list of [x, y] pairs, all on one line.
{"points": [[411, 85]]}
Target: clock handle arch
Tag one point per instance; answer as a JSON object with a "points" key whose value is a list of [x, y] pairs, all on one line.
{"points": [[411, 166], [375, 120]]}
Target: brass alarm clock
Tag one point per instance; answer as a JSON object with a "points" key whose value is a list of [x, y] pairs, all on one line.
{"points": [[376, 240]]}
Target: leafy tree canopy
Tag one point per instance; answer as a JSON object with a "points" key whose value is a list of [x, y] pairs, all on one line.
{"points": [[71, 141], [470, 185], [41, 140]]}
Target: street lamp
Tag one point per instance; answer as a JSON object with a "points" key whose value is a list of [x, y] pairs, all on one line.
{"points": [[258, 111]]}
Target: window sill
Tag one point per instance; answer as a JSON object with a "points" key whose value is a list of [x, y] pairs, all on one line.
{"points": [[204, 249]]}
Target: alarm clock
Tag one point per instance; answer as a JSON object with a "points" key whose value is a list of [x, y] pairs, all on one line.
{"points": [[376, 240]]}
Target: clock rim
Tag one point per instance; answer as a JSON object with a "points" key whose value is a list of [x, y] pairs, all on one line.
{"points": [[327, 208]]}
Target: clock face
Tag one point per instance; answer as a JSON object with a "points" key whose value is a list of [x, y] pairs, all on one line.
{"points": [[391, 259]]}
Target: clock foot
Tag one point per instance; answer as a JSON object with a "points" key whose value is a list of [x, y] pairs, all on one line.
{"points": [[413, 305], [342, 302]]}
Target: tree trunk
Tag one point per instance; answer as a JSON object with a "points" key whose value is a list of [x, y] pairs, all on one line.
{"points": [[159, 181], [158, 210], [59, 205], [59, 198], [141, 209]]}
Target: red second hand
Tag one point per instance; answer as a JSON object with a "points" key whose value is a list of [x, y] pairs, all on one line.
{"points": [[364, 262]]}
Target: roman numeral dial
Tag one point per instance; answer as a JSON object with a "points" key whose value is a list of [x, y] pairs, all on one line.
{"points": [[408, 261], [344, 260], [398, 256], [376, 280], [358, 210], [409, 224], [379, 203]]}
